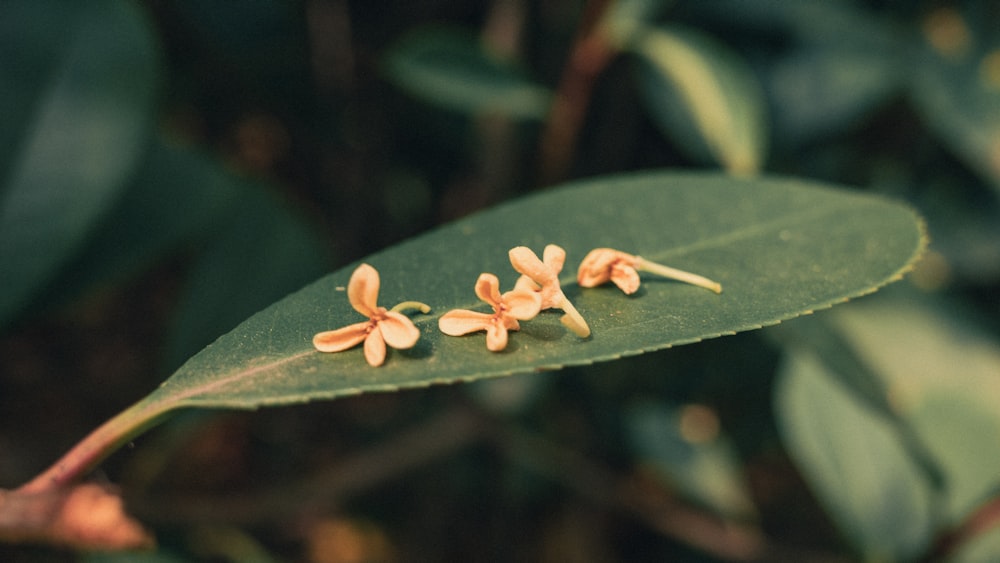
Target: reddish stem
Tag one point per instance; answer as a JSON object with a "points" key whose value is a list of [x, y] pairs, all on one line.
{"points": [[97, 446], [981, 520], [590, 56]]}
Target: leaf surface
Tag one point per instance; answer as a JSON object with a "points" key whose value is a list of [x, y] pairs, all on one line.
{"points": [[780, 248]]}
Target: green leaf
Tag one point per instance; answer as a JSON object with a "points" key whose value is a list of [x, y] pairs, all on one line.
{"points": [[452, 70], [84, 127], [854, 462], [704, 97], [780, 248]]}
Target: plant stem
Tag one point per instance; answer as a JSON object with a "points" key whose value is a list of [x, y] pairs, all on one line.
{"points": [[590, 56], [679, 275], [98, 445]]}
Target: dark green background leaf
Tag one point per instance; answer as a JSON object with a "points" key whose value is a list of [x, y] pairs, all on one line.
{"points": [[827, 90], [85, 126], [956, 90], [175, 197], [704, 470], [450, 69], [262, 251], [780, 248]]}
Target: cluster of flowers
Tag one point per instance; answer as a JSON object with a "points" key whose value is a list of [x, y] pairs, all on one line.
{"points": [[537, 289]]}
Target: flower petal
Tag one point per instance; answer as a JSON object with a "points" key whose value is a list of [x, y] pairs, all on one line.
{"points": [[526, 262], [593, 278], [461, 321], [375, 347], [342, 338], [496, 337], [554, 257], [525, 283], [362, 290], [522, 304], [596, 267], [488, 289], [625, 277], [398, 330]]}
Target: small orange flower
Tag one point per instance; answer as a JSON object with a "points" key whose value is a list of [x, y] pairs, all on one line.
{"points": [[382, 327], [508, 309], [542, 276], [606, 264]]}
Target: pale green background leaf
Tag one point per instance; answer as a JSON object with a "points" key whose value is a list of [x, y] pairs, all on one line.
{"points": [[942, 371], [703, 96], [854, 462]]}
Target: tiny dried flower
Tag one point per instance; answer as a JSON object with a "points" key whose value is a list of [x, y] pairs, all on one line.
{"points": [[382, 327], [606, 264], [543, 277], [509, 308]]}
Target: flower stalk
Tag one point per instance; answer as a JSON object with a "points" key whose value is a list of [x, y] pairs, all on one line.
{"points": [[642, 264], [602, 265]]}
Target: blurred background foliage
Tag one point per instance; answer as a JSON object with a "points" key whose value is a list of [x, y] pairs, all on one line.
{"points": [[168, 167]]}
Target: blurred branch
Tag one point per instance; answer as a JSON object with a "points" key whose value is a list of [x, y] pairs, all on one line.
{"points": [[657, 508], [435, 438], [590, 56], [92, 517], [983, 519], [83, 517], [330, 37]]}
